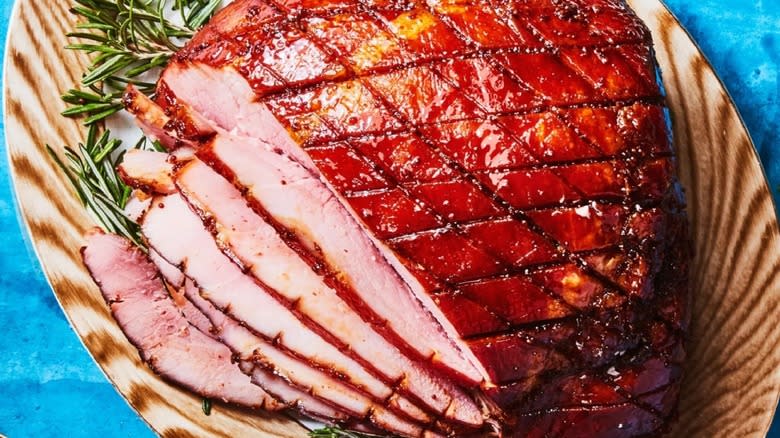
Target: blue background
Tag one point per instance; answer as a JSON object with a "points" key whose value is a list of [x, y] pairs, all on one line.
{"points": [[49, 384]]}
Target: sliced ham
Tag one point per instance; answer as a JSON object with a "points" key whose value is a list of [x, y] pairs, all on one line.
{"points": [[172, 133], [194, 251], [261, 251], [292, 382], [258, 358], [302, 386], [170, 273], [195, 317], [137, 204], [149, 172], [145, 169], [211, 322], [168, 343], [150, 118], [210, 318]]}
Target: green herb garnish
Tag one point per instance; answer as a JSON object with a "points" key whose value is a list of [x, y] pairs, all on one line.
{"points": [[335, 432], [126, 38], [91, 169]]}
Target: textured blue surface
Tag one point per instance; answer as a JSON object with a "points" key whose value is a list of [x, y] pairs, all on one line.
{"points": [[51, 387]]}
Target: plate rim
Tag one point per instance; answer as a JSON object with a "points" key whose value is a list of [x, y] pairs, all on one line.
{"points": [[30, 242], [23, 221], [733, 103]]}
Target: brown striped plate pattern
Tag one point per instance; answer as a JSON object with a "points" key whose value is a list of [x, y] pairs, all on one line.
{"points": [[733, 373]]}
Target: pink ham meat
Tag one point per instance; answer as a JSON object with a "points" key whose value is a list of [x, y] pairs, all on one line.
{"points": [[166, 341], [237, 339], [258, 358], [145, 170], [150, 172], [280, 389], [172, 133], [257, 247], [193, 250], [211, 322], [190, 312]]}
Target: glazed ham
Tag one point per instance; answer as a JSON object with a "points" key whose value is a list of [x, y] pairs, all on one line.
{"points": [[463, 214]]}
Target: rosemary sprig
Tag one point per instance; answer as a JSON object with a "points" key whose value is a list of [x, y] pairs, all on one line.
{"points": [[335, 432], [91, 169], [127, 38]]}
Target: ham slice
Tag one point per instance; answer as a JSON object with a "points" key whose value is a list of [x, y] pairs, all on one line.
{"points": [[172, 133], [264, 363], [146, 170], [150, 172], [166, 341], [196, 318], [211, 322]]}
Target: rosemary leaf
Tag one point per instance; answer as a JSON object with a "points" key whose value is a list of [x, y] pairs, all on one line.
{"points": [[199, 16], [335, 432], [127, 38], [79, 110], [100, 116], [111, 66], [91, 170]]}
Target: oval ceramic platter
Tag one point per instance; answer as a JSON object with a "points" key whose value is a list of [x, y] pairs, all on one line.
{"points": [[733, 374]]}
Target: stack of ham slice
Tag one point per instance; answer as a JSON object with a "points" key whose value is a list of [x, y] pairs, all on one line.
{"points": [[424, 218]]}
